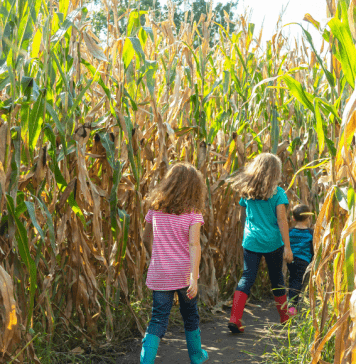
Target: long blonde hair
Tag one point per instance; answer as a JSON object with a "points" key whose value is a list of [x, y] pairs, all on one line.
{"points": [[181, 190], [260, 178]]}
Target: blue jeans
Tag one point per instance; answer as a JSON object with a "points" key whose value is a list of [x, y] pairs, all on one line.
{"points": [[274, 262], [162, 305], [296, 274]]}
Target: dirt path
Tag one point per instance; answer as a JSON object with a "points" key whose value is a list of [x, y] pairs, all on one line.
{"points": [[221, 345]]}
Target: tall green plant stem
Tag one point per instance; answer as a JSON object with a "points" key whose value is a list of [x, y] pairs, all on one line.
{"points": [[46, 62], [333, 139]]}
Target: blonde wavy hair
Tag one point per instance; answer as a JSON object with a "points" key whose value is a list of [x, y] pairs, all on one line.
{"points": [[259, 180], [182, 190]]}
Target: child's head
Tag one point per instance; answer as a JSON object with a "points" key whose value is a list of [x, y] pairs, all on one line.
{"points": [[301, 213], [181, 190], [260, 178]]}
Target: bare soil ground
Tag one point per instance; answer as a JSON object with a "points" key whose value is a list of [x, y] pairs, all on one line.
{"points": [[221, 345]]}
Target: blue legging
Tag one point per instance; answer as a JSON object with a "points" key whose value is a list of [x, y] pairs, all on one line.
{"points": [[162, 305], [274, 262], [296, 270]]}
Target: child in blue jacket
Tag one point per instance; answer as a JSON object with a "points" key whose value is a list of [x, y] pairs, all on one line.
{"points": [[301, 242]]}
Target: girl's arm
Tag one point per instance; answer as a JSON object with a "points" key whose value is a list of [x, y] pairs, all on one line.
{"points": [[283, 227], [148, 238], [195, 253]]}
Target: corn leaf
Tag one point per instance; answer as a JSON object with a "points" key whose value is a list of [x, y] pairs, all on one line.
{"points": [[22, 241], [319, 126], [297, 91], [347, 49]]}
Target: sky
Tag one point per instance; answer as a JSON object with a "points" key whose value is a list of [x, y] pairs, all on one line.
{"points": [[269, 10]]}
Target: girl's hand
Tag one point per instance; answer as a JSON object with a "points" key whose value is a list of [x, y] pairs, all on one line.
{"points": [[192, 289], [288, 255]]}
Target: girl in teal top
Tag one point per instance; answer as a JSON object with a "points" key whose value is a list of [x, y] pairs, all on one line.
{"points": [[265, 232], [261, 233]]}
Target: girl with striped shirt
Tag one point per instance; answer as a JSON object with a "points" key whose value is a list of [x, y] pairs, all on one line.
{"points": [[172, 237]]}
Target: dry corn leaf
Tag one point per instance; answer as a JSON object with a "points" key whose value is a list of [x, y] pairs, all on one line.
{"points": [[10, 333], [93, 48]]}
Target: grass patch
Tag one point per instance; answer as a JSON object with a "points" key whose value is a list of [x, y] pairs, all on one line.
{"points": [[292, 345]]}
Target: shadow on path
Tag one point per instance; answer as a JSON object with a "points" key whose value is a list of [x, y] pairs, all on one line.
{"points": [[221, 345]]}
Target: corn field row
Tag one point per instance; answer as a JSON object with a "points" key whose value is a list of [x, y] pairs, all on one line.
{"points": [[88, 129]]}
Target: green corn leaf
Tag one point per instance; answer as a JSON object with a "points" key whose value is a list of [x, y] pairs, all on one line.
{"points": [[341, 196], [61, 182], [79, 98], [113, 197], [35, 9], [226, 81], [31, 211], [132, 162], [23, 247], [52, 237], [128, 52], [297, 91], [136, 44], [60, 69], [328, 75], [36, 121], [133, 23], [24, 31], [63, 7], [68, 22], [16, 160], [26, 86], [279, 72], [109, 146], [4, 81], [241, 59], [331, 146], [346, 48], [328, 108], [349, 262], [212, 134], [5, 24], [350, 198], [52, 151], [25, 116], [142, 36], [274, 132], [150, 81], [20, 208], [100, 81], [132, 102], [125, 225], [319, 127], [55, 118], [216, 84], [149, 31]]}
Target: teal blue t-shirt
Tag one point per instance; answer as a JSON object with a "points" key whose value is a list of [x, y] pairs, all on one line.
{"points": [[261, 233]]}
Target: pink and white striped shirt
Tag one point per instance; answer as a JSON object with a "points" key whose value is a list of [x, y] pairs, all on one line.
{"points": [[170, 262]]}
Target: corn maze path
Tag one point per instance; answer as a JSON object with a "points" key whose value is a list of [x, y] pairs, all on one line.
{"points": [[221, 345]]}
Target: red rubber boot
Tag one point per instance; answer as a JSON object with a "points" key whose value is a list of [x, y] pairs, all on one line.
{"points": [[282, 307], [237, 310]]}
